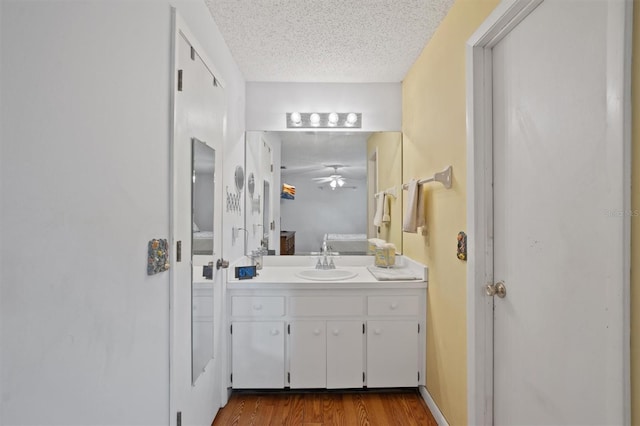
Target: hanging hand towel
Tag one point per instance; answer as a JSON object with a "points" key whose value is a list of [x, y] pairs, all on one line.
{"points": [[414, 215], [386, 218], [377, 218]]}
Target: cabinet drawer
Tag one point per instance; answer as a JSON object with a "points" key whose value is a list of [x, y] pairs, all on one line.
{"points": [[393, 305], [326, 305], [257, 306]]}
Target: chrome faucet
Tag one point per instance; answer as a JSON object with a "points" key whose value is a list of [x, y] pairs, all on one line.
{"points": [[327, 258]]}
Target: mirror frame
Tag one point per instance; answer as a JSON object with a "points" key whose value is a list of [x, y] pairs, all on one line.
{"points": [[201, 354]]}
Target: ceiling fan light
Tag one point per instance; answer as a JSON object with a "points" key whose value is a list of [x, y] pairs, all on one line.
{"points": [[333, 184], [340, 182]]}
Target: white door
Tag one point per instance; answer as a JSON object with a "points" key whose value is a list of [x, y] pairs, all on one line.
{"points": [[558, 220], [257, 350], [307, 354], [388, 365], [345, 354], [195, 395]]}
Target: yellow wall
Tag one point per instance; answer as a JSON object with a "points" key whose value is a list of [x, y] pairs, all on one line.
{"points": [[433, 123], [434, 133], [389, 146], [635, 223]]}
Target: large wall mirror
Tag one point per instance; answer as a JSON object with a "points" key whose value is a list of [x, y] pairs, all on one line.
{"points": [[315, 186], [202, 205]]}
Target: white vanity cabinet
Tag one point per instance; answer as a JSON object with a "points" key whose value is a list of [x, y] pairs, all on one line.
{"points": [[258, 342], [326, 354], [307, 354], [392, 354], [258, 354], [392, 342], [330, 335]]}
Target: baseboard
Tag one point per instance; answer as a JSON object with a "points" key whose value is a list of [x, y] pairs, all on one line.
{"points": [[437, 414]]}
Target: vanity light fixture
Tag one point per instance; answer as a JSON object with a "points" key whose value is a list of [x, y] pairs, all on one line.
{"points": [[324, 120]]}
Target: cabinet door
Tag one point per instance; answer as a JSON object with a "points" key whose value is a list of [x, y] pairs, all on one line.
{"points": [[308, 361], [345, 354], [392, 354], [257, 350]]}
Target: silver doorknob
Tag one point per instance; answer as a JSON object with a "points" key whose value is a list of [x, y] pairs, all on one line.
{"points": [[497, 289], [221, 263]]}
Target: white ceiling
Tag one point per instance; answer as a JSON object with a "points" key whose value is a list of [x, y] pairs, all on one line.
{"points": [[343, 41], [310, 153]]}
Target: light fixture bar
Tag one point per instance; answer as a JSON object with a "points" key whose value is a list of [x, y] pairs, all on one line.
{"points": [[324, 120]]}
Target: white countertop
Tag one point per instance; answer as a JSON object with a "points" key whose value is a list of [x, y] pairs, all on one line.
{"points": [[280, 271]]}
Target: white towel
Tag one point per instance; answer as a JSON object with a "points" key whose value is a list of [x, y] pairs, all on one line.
{"points": [[386, 218], [377, 218], [414, 214]]}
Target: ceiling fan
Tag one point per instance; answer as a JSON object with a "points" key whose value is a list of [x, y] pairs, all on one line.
{"points": [[335, 180]]}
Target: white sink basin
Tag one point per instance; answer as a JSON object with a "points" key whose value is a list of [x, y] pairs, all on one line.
{"points": [[326, 274]]}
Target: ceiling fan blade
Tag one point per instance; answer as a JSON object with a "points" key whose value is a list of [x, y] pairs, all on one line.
{"points": [[322, 179]]}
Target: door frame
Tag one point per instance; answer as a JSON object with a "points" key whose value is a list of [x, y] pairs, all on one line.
{"points": [[507, 15]]}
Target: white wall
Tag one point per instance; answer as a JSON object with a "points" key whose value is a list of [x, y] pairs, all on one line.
{"points": [[315, 212], [84, 168], [379, 103]]}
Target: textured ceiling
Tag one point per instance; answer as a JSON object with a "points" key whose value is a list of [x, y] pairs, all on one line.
{"points": [[341, 41]]}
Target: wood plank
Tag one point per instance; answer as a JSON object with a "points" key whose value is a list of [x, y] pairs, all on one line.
{"points": [[333, 410], [313, 408]]}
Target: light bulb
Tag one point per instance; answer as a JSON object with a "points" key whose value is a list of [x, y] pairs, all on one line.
{"points": [[314, 119], [333, 119], [340, 182], [295, 118], [351, 119], [333, 184]]}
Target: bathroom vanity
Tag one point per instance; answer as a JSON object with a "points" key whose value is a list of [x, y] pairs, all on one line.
{"points": [[291, 332]]}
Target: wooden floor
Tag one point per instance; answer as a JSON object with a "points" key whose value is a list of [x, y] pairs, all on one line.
{"points": [[324, 408]]}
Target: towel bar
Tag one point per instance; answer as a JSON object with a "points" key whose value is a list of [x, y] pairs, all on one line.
{"points": [[444, 177]]}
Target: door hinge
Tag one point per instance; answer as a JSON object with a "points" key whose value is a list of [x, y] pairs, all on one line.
{"points": [[272, 168], [363, 377], [179, 418], [231, 329], [231, 378], [193, 54], [288, 328], [418, 377], [179, 251], [179, 80], [362, 328], [288, 377], [418, 328]]}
